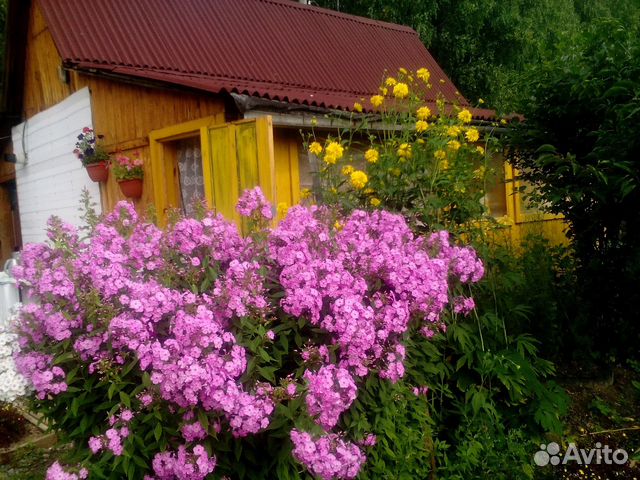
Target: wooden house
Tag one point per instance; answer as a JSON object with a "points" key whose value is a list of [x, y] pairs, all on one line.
{"points": [[213, 93]]}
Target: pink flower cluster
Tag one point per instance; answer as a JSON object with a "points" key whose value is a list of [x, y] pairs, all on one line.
{"points": [[57, 472], [253, 202], [114, 436], [328, 456], [46, 379], [331, 392], [359, 286], [184, 465]]}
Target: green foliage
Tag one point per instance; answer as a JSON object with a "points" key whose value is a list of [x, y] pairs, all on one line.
{"points": [[485, 45], [579, 147]]}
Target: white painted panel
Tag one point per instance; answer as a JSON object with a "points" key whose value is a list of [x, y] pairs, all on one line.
{"points": [[49, 177]]}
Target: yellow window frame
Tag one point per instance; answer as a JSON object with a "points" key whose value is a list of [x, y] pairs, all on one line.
{"points": [[165, 187], [235, 156]]}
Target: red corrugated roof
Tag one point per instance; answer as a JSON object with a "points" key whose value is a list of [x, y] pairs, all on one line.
{"points": [[277, 49]]}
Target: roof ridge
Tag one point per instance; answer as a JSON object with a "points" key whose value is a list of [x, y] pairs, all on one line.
{"points": [[346, 16]]}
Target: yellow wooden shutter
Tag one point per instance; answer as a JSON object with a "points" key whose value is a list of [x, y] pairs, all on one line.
{"points": [[237, 156]]}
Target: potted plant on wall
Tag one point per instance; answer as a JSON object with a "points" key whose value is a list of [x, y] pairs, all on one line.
{"points": [[92, 155], [129, 173]]}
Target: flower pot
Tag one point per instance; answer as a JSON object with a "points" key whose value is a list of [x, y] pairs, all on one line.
{"points": [[98, 172], [131, 188]]}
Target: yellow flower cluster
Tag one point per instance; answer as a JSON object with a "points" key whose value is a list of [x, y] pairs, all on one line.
{"points": [[453, 131], [480, 150], [315, 148], [401, 90], [404, 151], [371, 155], [464, 116], [347, 170], [282, 208], [333, 153], [390, 82], [423, 113], [479, 172], [357, 107], [472, 135], [376, 100], [421, 126], [440, 154], [423, 74], [305, 193], [375, 202], [454, 145], [359, 179]]}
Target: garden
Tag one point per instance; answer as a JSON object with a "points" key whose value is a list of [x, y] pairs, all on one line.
{"points": [[388, 327]]}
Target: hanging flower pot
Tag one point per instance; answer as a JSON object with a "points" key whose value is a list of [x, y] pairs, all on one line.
{"points": [[98, 172], [131, 188]]}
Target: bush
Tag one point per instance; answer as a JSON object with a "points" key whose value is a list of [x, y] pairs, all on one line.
{"points": [[193, 350], [488, 386], [579, 146]]}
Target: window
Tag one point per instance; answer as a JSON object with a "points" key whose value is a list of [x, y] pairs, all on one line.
{"points": [[211, 160]]}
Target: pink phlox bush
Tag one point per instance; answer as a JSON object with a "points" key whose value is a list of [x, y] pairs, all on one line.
{"points": [[175, 301]]}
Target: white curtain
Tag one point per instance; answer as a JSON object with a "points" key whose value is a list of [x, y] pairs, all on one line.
{"points": [[191, 176]]}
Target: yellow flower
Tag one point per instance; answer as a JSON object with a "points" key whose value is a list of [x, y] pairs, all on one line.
{"points": [[347, 170], [410, 78], [480, 101], [305, 193], [375, 202], [315, 148], [443, 164], [359, 179], [371, 155], [390, 82], [503, 121], [460, 188], [401, 90], [480, 150], [282, 208], [453, 145], [453, 131], [384, 90], [314, 121], [368, 191], [440, 154], [464, 116], [423, 74], [404, 151], [338, 226], [357, 107], [421, 126], [479, 172], [402, 70], [472, 135], [376, 100], [423, 113], [334, 152], [420, 141]]}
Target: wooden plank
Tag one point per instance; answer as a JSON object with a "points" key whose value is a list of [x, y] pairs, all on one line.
{"points": [[224, 170], [265, 157], [247, 156]]}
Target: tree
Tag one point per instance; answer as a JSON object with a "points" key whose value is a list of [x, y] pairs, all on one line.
{"points": [[580, 145], [486, 45]]}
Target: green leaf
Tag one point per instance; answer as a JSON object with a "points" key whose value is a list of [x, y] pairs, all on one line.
{"points": [[157, 431], [124, 398]]}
